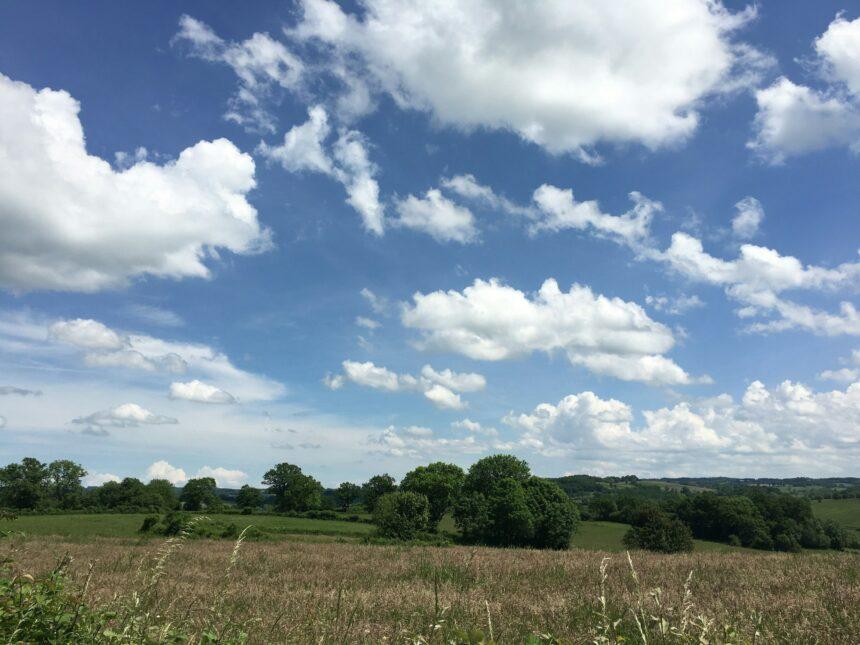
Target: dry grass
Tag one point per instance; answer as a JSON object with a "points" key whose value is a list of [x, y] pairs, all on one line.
{"points": [[303, 592]]}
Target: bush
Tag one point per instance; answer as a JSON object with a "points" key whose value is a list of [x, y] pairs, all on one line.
{"points": [[658, 531], [401, 515]]}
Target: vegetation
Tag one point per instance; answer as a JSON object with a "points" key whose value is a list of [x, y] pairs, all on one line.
{"points": [[440, 483], [402, 515], [199, 494], [656, 530], [292, 489], [347, 494], [249, 498], [376, 487]]}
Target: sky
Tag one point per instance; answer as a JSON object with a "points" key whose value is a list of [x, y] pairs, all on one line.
{"points": [[609, 238]]}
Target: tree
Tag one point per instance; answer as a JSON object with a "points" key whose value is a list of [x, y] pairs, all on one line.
{"points": [[659, 531], [24, 485], [249, 497], [163, 493], [401, 515], [292, 489], [64, 483], [347, 493], [376, 487], [440, 483], [199, 493], [504, 505]]}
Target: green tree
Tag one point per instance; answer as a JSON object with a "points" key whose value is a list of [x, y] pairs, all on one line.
{"points": [[64, 483], [401, 515], [292, 489], [659, 531], [347, 493], [199, 494], [163, 494], [376, 487], [440, 483], [556, 517], [24, 485], [249, 497]]}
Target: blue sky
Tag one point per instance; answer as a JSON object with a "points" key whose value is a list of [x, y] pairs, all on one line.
{"points": [[318, 233]]}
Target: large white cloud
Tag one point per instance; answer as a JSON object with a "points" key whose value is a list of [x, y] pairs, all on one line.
{"points": [[200, 392], [795, 119], [441, 388], [421, 443], [163, 470], [346, 160], [71, 222], [437, 216], [127, 415], [493, 321], [260, 62], [564, 75], [224, 477]]}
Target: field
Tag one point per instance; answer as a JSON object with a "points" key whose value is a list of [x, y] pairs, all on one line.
{"points": [[844, 511], [352, 593]]}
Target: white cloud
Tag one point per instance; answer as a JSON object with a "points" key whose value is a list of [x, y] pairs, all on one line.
{"points": [[757, 278], [108, 348], [845, 374], [99, 479], [347, 161], [795, 119], [492, 321], [260, 62], [86, 334], [674, 306], [474, 427], [163, 470], [378, 304], [81, 226], [437, 216], [367, 323], [467, 187], [127, 415], [412, 444], [562, 75], [155, 315], [559, 210], [441, 388], [201, 392], [750, 215], [224, 477]]}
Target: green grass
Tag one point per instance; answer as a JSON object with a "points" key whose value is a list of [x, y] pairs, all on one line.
{"points": [[80, 526], [599, 536], [844, 511]]}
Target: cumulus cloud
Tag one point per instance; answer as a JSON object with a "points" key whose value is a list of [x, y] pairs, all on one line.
{"points": [[442, 388], [559, 74], [224, 477], [127, 415], [163, 470], [261, 64], [492, 321], [200, 392], [845, 374], [419, 442], [474, 427], [7, 390], [795, 119], [437, 216], [787, 419], [347, 161], [467, 187], [758, 277], [746, 222], [82, 226], [99, 479], [105, 347], [674, 306]]}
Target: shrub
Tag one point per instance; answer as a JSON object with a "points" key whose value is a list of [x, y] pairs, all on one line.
{"points": [[401, 515], [658, 531]]}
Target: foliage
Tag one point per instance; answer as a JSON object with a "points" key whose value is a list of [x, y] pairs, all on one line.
{"points": [[401, 515], [655, 530], [292, 489], [249, 497], [131, 495], [347, 493], [199, 494], [502, 504], [376, 487], [440, 483]]}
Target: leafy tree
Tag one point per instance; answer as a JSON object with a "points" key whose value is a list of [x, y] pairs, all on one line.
{"points": [[292, 489], [249, 497], [659, 531], [163, 493], [503, 505], [24, 485], [401, 515], [440, 483], [347, 493], [199, 493], [376, 487], [64, 483]]}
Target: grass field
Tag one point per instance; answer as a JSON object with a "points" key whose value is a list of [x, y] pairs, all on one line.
{"points": [[352, 593], [844, 511]]}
